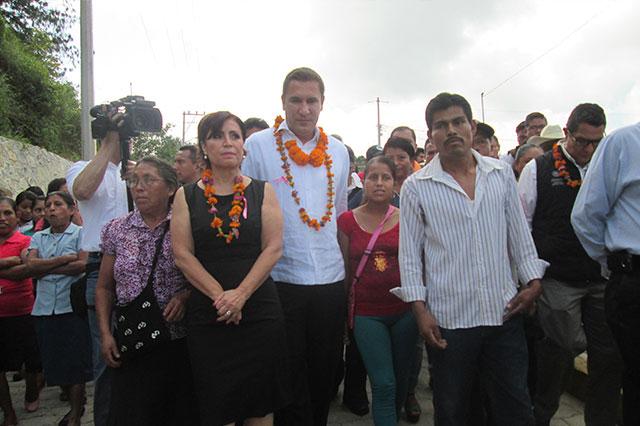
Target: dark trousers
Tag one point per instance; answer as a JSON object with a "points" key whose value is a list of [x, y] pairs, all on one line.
{"points": [[355, 374], [101, 374], [622, 304], [497, 357], [570, 316], [314, 317]]}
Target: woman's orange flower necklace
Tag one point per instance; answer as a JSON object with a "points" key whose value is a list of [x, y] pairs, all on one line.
{"points": [[238, 205], [316, 158], [561, 166]]}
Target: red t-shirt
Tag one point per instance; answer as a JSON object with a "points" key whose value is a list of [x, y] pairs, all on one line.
{"points": [[381, 272], [16, 297]]}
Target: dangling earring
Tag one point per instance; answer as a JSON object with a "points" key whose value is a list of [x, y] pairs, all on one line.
{"points": [[205, 156]]}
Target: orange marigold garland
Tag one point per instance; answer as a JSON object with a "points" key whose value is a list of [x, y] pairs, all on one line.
{"points": [[238, 205], [561, 166], [316, 158]]}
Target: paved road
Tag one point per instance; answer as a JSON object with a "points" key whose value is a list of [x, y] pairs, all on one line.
{"points": [[51, 409]]}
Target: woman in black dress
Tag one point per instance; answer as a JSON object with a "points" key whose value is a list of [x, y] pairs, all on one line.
{"points": [[227, 236]]}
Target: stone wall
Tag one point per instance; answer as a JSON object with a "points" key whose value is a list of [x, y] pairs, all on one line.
{"points": [[23, 165]]}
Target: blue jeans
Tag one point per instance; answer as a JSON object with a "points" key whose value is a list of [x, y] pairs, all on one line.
{"points": [[101, 374], [388, 347], [495, 355]]}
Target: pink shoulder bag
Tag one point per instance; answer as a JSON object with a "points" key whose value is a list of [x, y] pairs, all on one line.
{"points": [[363, 262]]}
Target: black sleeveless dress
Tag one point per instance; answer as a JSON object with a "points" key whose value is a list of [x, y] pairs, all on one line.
{"points": [[240, 371]]}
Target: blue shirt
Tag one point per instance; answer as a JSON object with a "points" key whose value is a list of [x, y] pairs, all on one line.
{"points": [[606, 214], [52, 295]]}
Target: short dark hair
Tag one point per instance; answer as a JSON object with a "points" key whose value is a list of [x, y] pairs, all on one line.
{"points": [[401, 128], [532, 116], [381, 159], [400, 143], [211, 125], [352, 155], [373, 151], [36, 190], [66, 197], [591, 114], [484, 130], [193, 152], [8, 200], [56, 184], [303, 74], [26, 195], [255, 123], [445, 101], [521, 126]]}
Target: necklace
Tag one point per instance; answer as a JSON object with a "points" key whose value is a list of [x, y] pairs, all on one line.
{"points": [[317, 157], [561, 166], [237, 206]]}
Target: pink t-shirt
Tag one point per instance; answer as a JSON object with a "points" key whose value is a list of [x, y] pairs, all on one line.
{"points": [[16, 297]]}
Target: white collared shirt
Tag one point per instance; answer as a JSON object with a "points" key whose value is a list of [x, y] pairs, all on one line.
{"points": [[528, 184], [309, 257], [466, 278], [108, 202]]}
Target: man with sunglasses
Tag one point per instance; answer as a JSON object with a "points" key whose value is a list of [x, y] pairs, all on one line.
{"points": [[606, 218], [571, 308]]}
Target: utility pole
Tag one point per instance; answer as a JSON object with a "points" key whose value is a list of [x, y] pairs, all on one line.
{"points": [[379, 126], [184, 122], [482, 105], [86, 78]]}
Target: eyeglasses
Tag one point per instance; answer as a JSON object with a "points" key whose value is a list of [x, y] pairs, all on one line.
{"points": [[145, 181], [583, 142]]}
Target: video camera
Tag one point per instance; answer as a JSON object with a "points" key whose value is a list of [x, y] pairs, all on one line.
{"points": [[139, 116]]}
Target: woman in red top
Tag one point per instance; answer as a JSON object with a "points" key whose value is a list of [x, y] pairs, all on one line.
{"points": [[18, 344], [383, 326]]}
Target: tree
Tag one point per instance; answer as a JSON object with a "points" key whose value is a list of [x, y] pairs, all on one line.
{"points": [[162, 145], [34, 105], [44, 29]]}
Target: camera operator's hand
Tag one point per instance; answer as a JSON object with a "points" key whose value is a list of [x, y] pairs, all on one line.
{"points": [[87, 182]]}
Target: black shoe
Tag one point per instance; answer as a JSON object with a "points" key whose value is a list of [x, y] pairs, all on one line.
{"points": [[359, 408], [412, 408], [65, 420]]}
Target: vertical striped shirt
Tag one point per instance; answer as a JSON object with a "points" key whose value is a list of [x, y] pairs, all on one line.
{"points": [[468, 245]]}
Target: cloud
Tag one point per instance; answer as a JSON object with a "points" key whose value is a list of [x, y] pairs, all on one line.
{"points": [[208, 56]]}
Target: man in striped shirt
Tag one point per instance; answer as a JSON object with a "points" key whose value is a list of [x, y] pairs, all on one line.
{"points": [[463, 214]]}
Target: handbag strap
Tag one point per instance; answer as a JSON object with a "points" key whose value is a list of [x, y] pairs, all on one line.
{"points": [[372, 242], [157, 254]]}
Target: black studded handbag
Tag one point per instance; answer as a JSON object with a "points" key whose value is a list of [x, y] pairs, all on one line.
{"points": [[139, 325]]}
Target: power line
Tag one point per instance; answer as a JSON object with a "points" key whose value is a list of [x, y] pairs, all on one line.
{"points": [[584, 24], [146, 33]]}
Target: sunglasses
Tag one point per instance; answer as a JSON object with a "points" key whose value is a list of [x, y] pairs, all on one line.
{"points": [[585, 142]]}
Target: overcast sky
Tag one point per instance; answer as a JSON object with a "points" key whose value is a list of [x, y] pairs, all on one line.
{"points": [[196, 55]]}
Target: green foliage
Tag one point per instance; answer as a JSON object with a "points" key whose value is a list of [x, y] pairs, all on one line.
{"points": [[44, 29], [34, 105], [161, 145]]}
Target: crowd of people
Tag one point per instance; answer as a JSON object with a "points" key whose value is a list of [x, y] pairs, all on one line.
{"points": [[262, 269]]}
